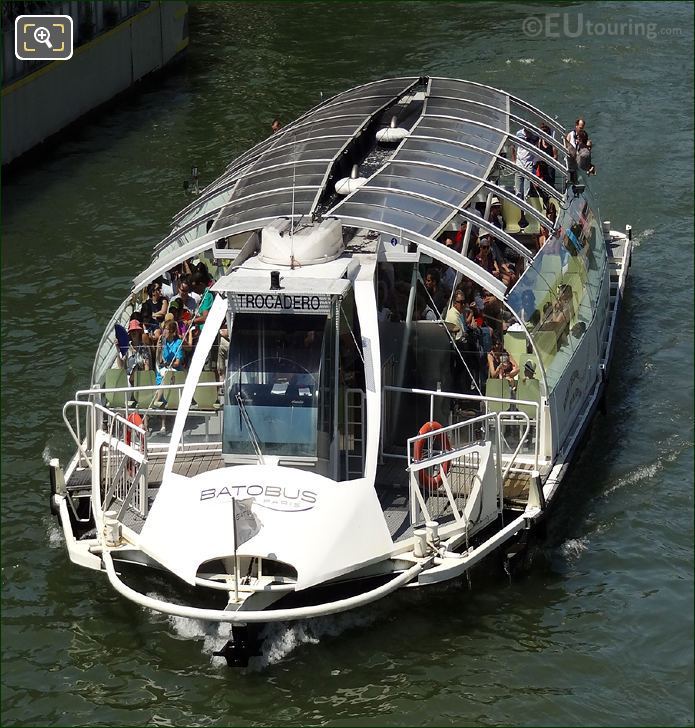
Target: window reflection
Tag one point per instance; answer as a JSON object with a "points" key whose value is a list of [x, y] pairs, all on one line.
{"points": [[559, 292], [275, 366]]}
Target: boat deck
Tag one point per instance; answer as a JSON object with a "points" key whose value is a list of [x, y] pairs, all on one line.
{"points": [[391, 485]]}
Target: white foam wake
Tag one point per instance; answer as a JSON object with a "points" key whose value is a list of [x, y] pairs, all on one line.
{"points": [[278, 639], [637, 240], [573, 548]]}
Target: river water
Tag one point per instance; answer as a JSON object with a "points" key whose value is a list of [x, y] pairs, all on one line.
{"points": [[601, 629]]}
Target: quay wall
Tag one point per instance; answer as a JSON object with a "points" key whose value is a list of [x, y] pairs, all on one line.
{"points": [[47, 100]]}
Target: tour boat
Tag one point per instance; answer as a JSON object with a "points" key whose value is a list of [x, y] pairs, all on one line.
{"points": [[335, 434]]}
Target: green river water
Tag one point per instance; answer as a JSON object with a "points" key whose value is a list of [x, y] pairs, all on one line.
{"points": [[600, 632]]}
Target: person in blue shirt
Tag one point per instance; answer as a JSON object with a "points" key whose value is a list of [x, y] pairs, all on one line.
{"points": [[169, 350]]}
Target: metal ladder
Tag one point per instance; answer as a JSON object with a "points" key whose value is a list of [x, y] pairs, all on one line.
{"points": [[354, 433]]}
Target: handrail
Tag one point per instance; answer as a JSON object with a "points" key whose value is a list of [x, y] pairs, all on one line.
{"points": [[94, 406], [456, 453], [144, 388], [476, 398], [270, 615]]}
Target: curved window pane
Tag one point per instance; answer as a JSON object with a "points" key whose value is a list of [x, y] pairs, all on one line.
{"points": [[559, 292]]}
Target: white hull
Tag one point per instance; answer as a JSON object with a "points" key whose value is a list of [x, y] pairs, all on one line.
{"points": [[299, 488]]}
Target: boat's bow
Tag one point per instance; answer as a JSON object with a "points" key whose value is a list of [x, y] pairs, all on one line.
{"points": [[320, 528]]}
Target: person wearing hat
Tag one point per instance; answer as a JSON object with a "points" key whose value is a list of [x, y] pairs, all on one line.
{"points": [[495, 216], [138, 356], [529, 371]]}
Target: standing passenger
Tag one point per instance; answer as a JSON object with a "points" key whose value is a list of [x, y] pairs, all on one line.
{"points": [[526, 159], [199, 284]]}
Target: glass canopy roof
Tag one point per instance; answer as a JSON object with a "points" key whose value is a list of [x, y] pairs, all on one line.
{"points": [[457, 132]]}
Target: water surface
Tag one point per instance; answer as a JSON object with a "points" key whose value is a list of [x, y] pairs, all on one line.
{"points": [[601, 630]]}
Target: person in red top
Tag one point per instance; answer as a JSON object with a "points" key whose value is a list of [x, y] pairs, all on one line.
{"points": [[460, 236]]}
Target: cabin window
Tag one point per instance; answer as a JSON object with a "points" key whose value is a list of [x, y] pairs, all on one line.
{"points": [[558, 294], [273, 382]]}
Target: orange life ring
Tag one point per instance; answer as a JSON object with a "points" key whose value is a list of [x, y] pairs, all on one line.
{"points": [[431, 481], [137, 441]]}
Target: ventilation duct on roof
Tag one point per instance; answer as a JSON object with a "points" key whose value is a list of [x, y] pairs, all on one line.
{"points": [[392, 134], [346, 185], [310, 244]]}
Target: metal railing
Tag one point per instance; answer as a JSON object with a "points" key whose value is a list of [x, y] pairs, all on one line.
{"points": [[130, 405], [121, 468], [439, 402], [444, 463], [354, 444]]}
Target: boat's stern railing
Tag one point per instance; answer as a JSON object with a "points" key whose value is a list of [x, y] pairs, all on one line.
{"points": [[115, 450], [518, 432], [141, 400], [444, 462], [116, 447], [444, 465]]}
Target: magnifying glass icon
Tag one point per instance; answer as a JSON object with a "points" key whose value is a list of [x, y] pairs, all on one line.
{"points": [[41, 35]]}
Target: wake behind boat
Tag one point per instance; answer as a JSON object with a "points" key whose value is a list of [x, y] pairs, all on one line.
{"points": [[362, 360]]}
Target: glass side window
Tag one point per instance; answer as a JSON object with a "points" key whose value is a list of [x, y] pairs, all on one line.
{"points": [[273, 384], [558, 294]]}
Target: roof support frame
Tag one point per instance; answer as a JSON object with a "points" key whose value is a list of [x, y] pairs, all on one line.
{"points": [[437, 250], [204, 197], [551, 160], [198, 245], [513, 138], [499, 191], [206, 215], [524, 122], [476, 219], [514, 99]]}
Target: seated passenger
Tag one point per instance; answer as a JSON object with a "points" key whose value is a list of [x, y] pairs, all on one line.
{"points": [[465, 362], [189, 301], [200, 284], [495, 216], [529, 372], [437, 293], [153, 311], [170, 281], [507, 275], [448, 275], [175, 311], [138, 355], [170, 354], [170, 357], [460, 237], [461, 316], [495, 315], [500, 364], [201, 266], [423, 307], [484, 258]]}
